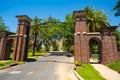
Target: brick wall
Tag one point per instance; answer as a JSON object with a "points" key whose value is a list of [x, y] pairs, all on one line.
{"points": [[106, 39]]}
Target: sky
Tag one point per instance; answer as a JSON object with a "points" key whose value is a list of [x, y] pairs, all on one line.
{"points": [[56, 8]]}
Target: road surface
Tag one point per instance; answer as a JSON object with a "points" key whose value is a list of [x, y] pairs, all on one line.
{"points": [[53, 67]]}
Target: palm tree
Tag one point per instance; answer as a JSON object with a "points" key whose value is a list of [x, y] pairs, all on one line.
{"points": [[117, 8], [35, 31], [95, 19]]}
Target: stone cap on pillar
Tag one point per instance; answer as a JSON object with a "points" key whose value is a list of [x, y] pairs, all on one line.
{"points": [[79, 15], [24, 17]]}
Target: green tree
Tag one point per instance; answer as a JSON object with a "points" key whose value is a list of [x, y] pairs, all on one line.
{"points": [[118, 38], [52, 30], [36, 29], [67, 33], [96, 20], [2, 25], [117, 8]]}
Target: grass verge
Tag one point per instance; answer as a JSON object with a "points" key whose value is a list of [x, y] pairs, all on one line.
{"points": [[115, 66], [34, 58], [8, 63], [89, 73]]}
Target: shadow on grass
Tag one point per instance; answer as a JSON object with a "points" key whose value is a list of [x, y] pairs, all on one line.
{"points": [[31, 60]]}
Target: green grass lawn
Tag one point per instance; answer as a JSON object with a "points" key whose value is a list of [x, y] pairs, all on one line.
{"points": [[34, 58], [31, 58], [36, 54], [89, 73], [7, 63], [115, 66]]}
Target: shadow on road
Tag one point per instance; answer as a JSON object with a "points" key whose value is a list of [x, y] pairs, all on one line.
{"points": [[56, 61], [60, 54]]}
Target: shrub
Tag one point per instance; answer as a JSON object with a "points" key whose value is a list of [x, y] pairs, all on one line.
{"points": [[95, 51], [115, 66], [77, 63]]}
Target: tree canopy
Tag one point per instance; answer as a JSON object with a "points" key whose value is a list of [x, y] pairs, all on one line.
{"points": [[2, 25], [96, 19], [50, 30], [117, 8], [36, 29]]}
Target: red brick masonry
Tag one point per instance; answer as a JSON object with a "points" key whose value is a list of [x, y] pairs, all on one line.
{"points": [[106, 39]]}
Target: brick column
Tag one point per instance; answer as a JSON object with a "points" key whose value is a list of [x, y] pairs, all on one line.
{"points": [[109, 48], [80, 40], [21, 41], [2, 47]]}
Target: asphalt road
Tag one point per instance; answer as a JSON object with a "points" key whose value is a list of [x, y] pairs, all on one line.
{"points": [[53, 67]]}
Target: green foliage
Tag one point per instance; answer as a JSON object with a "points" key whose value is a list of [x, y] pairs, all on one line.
{"points": [[94, 46], [35, 26], [89, 73], [95, 51], [54, 31], [77, 63], [118, 37], [115, 66], [36, 29], [96, 20], [55, 46], [47, 46], [2, 25], [117, 8], [6, 63], [68, 31], [37, 54], [32, 58]]}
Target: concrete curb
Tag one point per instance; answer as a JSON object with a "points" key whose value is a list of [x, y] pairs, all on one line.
{"points": [[77, 75]]}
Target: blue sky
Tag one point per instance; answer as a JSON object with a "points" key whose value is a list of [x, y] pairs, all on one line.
{"points": [[56, 8]]}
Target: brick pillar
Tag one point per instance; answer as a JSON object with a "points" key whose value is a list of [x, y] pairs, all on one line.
{"points": [[2, 47], [114, 46], [21, 41], [80, 40], [109, 48]]}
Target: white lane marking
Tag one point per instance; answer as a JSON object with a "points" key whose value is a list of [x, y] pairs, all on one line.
{"points": [[15, 72], [29, 73]]}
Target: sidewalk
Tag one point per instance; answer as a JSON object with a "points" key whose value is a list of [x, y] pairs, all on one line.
{"points": [[106, 72]]}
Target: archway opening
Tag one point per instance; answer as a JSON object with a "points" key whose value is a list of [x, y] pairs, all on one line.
{"points": [[9, 49], [95, 50]]}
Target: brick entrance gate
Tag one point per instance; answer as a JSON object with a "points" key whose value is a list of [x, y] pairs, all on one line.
{"points": [[20, 40], [106, 38]]}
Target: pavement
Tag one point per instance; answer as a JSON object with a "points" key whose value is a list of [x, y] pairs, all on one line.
{"points": [[53, 67], [106, 72]]}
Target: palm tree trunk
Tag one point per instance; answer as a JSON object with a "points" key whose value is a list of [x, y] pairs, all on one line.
{"points": [[34, 44]]}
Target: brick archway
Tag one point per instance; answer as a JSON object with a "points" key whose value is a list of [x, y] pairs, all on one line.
{"points": [[20, 40], [8, 48], [106, 37], [98, 46]]}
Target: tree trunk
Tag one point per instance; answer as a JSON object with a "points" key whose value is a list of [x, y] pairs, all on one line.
{"points": [[34, 44], [60, 44], [51, 47]]}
